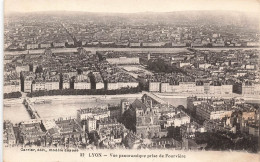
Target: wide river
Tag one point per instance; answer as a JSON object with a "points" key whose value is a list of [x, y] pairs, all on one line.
{"points": [[67, 106], [94, 49]]}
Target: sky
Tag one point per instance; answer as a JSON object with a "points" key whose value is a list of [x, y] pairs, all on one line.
{"points": [[129, 6]]}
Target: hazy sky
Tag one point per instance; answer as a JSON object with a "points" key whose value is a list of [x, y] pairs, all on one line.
{"points": [[129, 6]]}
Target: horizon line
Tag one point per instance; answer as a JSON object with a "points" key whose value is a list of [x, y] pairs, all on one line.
{"points": [[221, 10]]}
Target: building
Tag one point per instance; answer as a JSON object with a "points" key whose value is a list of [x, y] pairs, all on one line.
{"points": [[122, 44], [91, 124], [189, 130], [184, 64], [162, 143], [190, 87], [32, 46], [124, 60], [124, 105], [178, 44], [70, 42], [46, 81], [26, 81], [45, 45], [154, 44], [53, 132], [154, 86], [65, 81], [82, 82], [219, 89], [98, 81], [51, 85], [166, 87], [209, 112], [111, 132], [31, 132], [250, 67], [9, 138], [100, 85], [135, 45], [204, 65], [70, 130], [175, 120], [96, 113], [59, 44], [147, 120], [217, 125], [38, 85], [12, 86], [52, 82], [63, 132], [250, 89], [253, 44]]}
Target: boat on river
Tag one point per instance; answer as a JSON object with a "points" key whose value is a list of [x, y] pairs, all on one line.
{"points": [[42, 101]]}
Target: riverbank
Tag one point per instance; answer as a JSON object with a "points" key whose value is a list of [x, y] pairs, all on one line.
{"points": [[94, 49], [79, 97], [185, 95]]}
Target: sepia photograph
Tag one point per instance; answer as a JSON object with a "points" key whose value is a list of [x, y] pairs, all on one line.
{"points": [[135, 80]]}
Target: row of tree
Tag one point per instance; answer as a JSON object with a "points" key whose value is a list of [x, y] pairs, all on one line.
{"points": [[84, 92], [12, 95]]}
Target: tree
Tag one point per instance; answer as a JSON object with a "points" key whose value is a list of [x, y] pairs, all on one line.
{"points": [[31, 67], [79, 71], [180, 107], [12, 95], [93, 137], [150, 134], [39, 69], [128, 119], [160, 65], [128, 141]]}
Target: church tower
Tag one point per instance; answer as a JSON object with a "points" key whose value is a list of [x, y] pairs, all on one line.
{"points": [[124, 105]]}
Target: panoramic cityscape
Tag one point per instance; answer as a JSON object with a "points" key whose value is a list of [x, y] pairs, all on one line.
{"points": [[183, 80]]}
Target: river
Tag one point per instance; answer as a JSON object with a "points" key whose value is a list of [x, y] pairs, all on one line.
{"points": [[94, 49], [67, 106], [15, 111]]}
